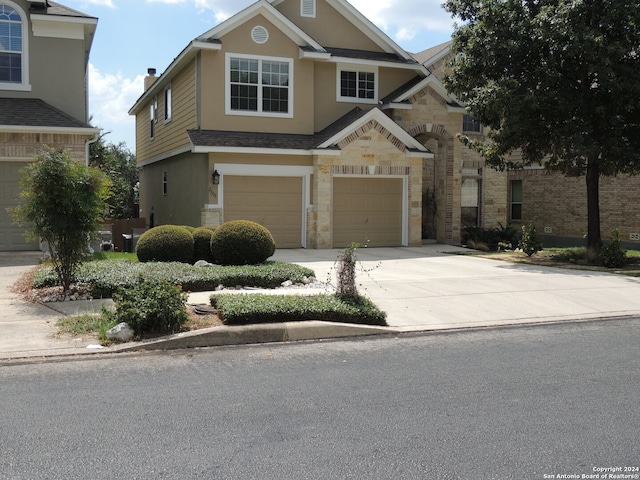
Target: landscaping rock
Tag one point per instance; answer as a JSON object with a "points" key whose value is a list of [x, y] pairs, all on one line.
{"points": [[121, 333], [288, 283], [203, 263]]}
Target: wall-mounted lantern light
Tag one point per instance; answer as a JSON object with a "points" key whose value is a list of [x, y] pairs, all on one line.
{"points": [[215, 177]]}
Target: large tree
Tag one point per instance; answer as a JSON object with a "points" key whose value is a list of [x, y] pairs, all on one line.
{"points": [[556, 79], [119, 164]]}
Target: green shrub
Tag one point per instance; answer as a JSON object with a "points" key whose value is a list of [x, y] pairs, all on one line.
{"points": [[496, 238], [241, 242], [202, 244], [165, 243], [150, 306], [530, 243], [241, 309], [612, 255], [104, 278], [189, 228]]}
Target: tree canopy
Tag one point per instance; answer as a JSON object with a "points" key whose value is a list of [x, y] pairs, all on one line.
{"points": [[119, 164], [556, 80]]}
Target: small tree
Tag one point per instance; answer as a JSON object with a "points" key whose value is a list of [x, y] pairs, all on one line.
{"points": [[530, 243], [62, 201]]}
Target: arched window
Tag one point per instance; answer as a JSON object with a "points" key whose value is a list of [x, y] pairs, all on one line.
{"points": [[13, 40]]}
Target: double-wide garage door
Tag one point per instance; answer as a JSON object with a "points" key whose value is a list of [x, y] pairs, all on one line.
{"points": [[367, 211], [274, 202], [11, 236]]}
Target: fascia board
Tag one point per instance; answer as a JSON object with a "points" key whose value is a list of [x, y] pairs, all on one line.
{"points": [[452, 109], [324, 56], [163, 157], [377, 63], [250, 150], [263, 7], [369, 29], [60, 130], [396, 106], [382, 119], [65, 19], [431, 81]]}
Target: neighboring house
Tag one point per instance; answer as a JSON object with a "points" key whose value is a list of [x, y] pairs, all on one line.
{"points": [[44, 54], [305, 117]]}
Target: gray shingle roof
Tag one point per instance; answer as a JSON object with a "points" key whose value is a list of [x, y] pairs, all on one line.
{"points": [[222, 138], [33, 112]]}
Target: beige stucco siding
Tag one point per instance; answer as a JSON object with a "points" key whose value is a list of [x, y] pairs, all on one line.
{"points": [[329, 27], [213, 83], [328, 108], [57, 74]]}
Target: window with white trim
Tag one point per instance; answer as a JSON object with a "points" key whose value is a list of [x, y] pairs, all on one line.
{"points": [[153, 117], [357, 83], [167, 103], [13, 47], [516, 200], [259, 85]]}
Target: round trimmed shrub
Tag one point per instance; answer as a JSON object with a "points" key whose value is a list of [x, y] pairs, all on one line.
{"points": [[241, 242], [202, 244], [165, 243], [189, 228]]}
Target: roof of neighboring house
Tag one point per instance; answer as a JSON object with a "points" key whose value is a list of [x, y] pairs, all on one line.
{"points": [[426, 55], [223, 138], [33, 112], [55, 8]]}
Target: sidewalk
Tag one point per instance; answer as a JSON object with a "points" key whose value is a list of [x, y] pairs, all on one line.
{"points": [[421, 288]]}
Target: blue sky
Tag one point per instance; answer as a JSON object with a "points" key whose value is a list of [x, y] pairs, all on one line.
{"points": [[134, 35]]}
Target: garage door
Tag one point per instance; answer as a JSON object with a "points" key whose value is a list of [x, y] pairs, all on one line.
{"points": [[275, 202], [367, 210], [11, 236]]}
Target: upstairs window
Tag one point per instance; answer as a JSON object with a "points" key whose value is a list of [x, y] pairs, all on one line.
{"points": [[259, 86], [357, 84], [471, 124], [167, 103], [153, 117], [13, 49]]}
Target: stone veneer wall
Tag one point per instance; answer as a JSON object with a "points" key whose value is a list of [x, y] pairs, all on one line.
{"points": [[370, 146], [560, 203], [21, 146], [429, 118]]}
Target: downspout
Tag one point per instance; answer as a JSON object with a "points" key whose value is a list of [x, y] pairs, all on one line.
{"points": [[88, 142]]}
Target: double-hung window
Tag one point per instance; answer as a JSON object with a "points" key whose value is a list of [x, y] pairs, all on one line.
{"points": [[259, 85], [516, 200], [13, 40], [357, 83], [153, 117]]}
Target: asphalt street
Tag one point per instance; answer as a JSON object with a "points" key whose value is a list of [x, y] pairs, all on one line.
{"points": [[520, 403]]}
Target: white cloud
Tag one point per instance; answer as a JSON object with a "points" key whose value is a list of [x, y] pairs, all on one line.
{"points": [[100, 3], [403, 20], [111, 95]]}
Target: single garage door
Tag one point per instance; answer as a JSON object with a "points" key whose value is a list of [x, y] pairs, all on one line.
{"points": [[275, 202], [11, 236], [367, 211]]}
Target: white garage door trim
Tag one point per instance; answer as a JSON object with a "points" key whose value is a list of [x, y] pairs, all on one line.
{"points": [[405, 200], [269, 171]]}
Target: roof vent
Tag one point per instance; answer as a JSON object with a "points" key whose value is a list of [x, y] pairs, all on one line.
{"points": [[259, 34], [37, 4]]}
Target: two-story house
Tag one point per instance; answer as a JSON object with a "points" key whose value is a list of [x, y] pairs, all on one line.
{"points": [[305, 117], [44, 55]]}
